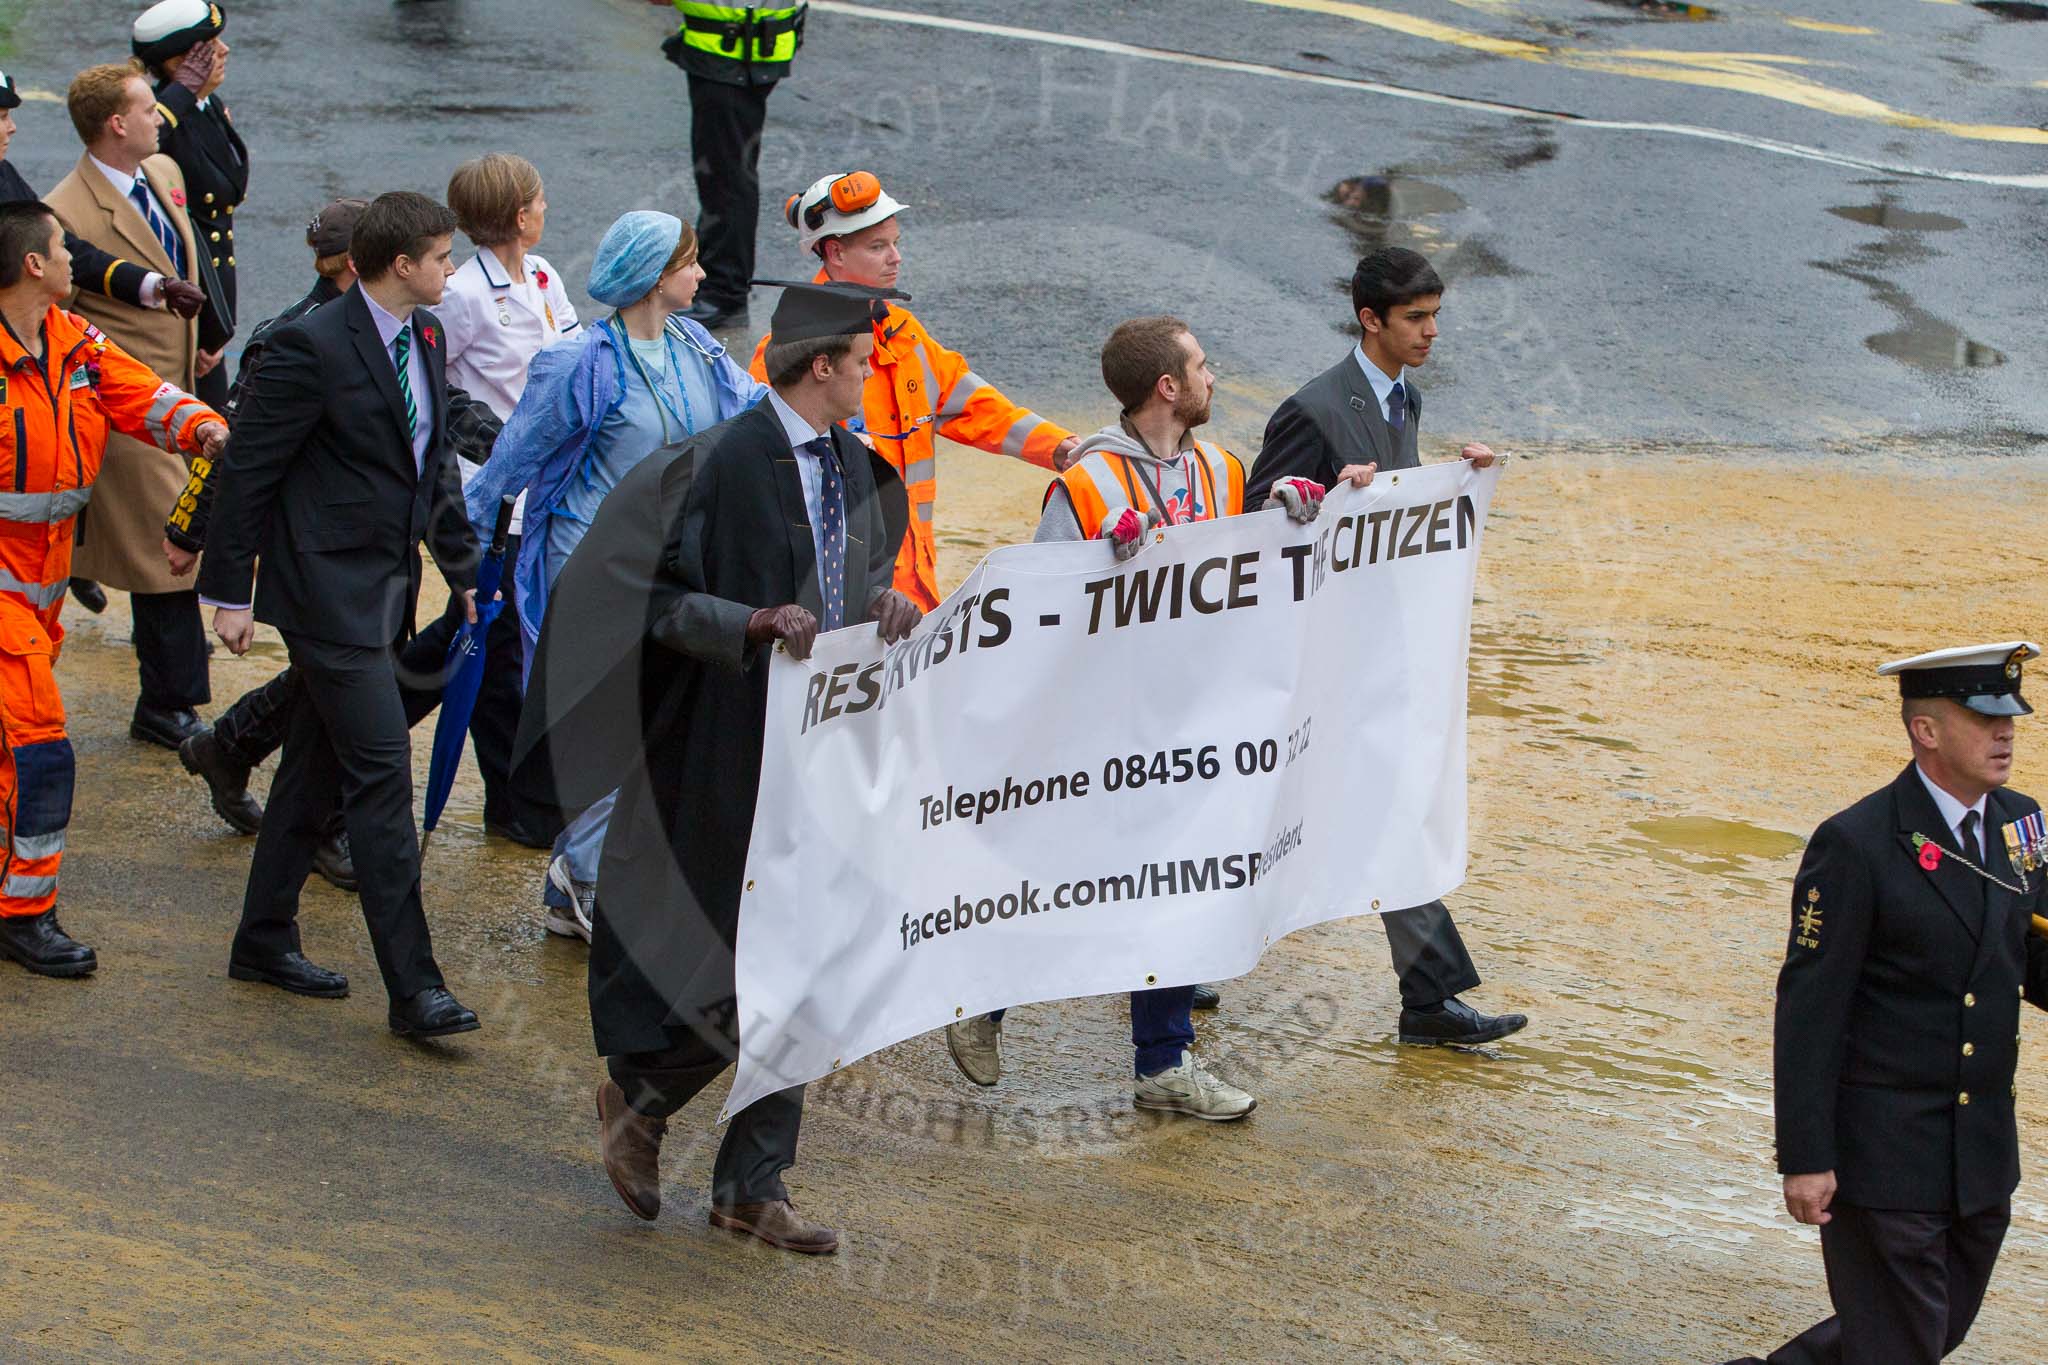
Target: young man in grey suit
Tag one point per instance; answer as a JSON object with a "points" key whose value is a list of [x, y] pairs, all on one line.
{"points": [[1358, 417]]}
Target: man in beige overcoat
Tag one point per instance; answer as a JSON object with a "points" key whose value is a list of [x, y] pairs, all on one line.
{"points": [[126, 199]]}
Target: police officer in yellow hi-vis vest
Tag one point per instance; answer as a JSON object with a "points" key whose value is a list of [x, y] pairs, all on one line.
{"points": [[1147, 470], [733, 55]]}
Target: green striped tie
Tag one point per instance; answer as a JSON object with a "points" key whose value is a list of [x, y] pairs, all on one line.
{"points": [[401, 351]]}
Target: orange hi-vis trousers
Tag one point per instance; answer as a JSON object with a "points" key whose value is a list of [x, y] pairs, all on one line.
{"points": [[36, 764]]}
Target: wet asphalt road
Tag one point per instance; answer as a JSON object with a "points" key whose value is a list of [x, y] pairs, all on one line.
{"points": [[1608, 286], [196, 1169]]}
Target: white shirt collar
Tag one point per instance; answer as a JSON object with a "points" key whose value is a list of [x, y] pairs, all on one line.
{"points": [[1952, 810], [122, 181], [388, 325], [1377, 377], [794, 425]]}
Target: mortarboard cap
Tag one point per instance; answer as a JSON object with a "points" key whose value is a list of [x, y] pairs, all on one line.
{"points": [[807, 311], [1985, 678], [174, 27]]}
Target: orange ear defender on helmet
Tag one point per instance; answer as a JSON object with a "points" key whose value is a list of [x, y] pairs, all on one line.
{"points": [[850, 193]]}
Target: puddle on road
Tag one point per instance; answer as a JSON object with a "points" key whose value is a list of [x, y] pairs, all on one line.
{"points": [[1887, 214], [1395, 209], [1704, 844], [1923, 340]]}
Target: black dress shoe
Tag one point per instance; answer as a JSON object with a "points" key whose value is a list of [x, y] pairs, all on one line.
{"points": [[1457, 1023], [40, 944], [518, 833], [89, 595], [1207, 998], [290, 972], [433, 1013], [333, 860], [227, 781], [711, 316], [169, 727]]}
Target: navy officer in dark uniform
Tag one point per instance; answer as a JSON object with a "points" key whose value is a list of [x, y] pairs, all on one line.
{"points": [[1912, 944], [179, 41]]}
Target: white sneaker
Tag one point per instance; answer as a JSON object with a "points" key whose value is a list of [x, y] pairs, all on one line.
{"points": [[1189, 1088], [977, 1048], [572, 921]]}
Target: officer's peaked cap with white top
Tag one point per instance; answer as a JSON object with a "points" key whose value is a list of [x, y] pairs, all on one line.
{"points": [[172, 28], [1985, 678], [8, 98]]}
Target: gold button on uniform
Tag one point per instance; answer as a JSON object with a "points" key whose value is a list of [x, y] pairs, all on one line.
{"points": [[216, 261], [213, 236], [231, 260], [1969, 1000], [1963, 1098], [1969, 1049], [209, 198]]}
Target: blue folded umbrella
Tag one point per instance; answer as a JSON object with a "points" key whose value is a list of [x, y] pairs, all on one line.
{"points": [[464, 672]]}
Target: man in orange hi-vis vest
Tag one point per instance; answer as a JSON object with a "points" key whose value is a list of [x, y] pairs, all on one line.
{"points": [[64, 388], [1147, 470], [918, 388]]}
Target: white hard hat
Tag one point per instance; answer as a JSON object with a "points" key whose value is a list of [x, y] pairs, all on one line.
{"points": [[836, 205]]}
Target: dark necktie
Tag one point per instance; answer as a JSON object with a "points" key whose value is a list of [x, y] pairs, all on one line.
{"points": [[401, 354], [165, 233], [831, 533], [1970, 849], [1397, 409]]}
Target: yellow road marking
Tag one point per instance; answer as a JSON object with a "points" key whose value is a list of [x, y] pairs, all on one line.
{"points": [[1749, 73], [1823, 26]]}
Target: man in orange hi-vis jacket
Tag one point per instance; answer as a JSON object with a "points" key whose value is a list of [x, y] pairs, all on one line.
{"points": [[63, 389], [918, 387]]}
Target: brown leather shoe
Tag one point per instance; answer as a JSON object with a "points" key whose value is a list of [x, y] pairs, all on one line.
{"points": [[631, 1143], [779, 1225]]}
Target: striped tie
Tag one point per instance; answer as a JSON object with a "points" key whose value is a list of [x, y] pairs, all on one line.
{"points": [[401, 352], [165, 233]]}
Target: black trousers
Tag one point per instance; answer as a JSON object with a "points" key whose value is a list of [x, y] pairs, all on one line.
{"points": [[1906, 1286], [760, 1140], [170, 649], [1429, 954], [255, 726], [349, 742], [725, 149], [212, 387]]}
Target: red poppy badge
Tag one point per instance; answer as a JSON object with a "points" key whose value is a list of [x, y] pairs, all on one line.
{"points": [[178, 197], [1930, 855], [432, 338]]}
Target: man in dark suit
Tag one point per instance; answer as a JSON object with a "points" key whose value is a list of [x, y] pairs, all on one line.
{"points": [[338, 468], [1358, 417], [1914, 937], [651, 676]]}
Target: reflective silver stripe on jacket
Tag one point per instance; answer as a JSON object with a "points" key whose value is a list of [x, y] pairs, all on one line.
{"points": [[28, 888], [956, 401], [158, 419], [920, 471], [30, 846], [1020, 432], [38, 594], [40, 509]]}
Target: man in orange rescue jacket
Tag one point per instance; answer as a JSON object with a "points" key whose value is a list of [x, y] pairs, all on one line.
{"points": [[918, 388], [64, 388]]}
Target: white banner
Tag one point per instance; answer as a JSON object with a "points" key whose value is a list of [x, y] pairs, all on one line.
{"points": [[1079, 778]]}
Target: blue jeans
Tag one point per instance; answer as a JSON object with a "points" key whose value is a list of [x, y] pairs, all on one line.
{"points": [[1162, 1025], [581, 842]]}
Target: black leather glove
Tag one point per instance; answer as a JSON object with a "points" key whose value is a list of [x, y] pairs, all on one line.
{"points": [[183, 299], [896, 614], [795, 627]]}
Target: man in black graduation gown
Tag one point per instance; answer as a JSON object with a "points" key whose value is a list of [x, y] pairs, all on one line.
{"points": [[1913, 940], [651, 677]]}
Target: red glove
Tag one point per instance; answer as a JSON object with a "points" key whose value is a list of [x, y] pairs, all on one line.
{"points": [[1303, 498], [1125, 530], [794, 626]]}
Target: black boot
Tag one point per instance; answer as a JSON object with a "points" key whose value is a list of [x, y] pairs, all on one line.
{"points": [[40, 944], [333, 860], [227, 781], [167, 726], [89, 595]]}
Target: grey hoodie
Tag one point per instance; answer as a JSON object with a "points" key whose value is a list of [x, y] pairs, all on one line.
{"points": [[1169, 477]]}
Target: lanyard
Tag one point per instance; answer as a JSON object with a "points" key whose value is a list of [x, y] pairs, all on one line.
{"points": [[1187, 473], [687, 418]]}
